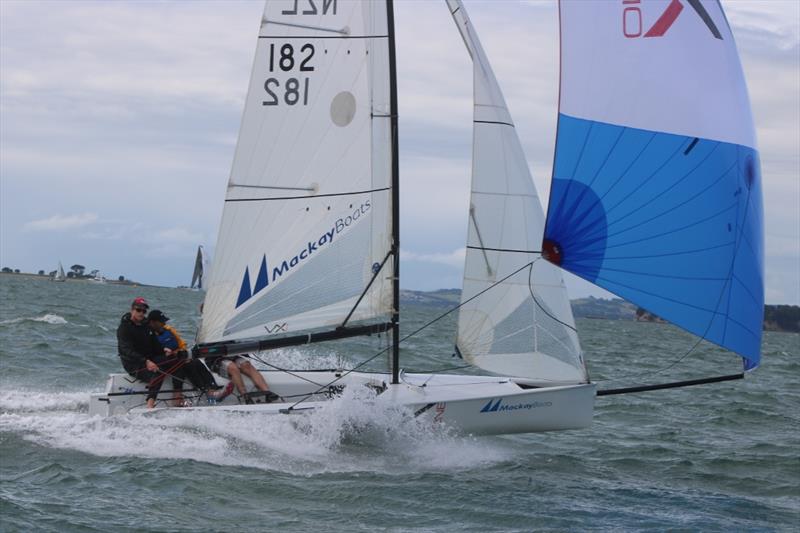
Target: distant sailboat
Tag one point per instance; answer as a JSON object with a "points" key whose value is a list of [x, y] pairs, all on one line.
{"points": [[59, 275], [199, 265], [656, 196]]}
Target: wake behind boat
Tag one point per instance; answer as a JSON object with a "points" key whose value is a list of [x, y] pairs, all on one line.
{"points": [[662, 207]]}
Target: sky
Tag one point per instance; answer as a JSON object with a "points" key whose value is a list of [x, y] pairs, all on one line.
{"points": [[118, 123]]}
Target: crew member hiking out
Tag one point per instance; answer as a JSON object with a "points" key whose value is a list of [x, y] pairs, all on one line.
{"points": [[233, 367]]}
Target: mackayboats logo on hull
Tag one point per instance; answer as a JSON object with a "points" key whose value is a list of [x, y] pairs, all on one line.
{"points": [[493, 406], [266, 276]]}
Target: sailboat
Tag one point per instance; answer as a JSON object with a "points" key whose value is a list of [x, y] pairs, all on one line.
{"points": [[59, 275], [199, 266], [658, 205]]}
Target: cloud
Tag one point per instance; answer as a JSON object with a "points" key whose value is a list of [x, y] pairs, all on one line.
{"points": [[176, 235], [61, 222], [453, 259]]}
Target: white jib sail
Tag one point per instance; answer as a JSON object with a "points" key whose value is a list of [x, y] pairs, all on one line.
{"points": [[307, 213], [522, 324]]}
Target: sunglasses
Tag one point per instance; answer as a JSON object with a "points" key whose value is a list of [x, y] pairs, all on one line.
{"points": [[140, 309]]}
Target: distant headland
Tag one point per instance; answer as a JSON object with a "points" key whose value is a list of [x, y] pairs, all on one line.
{"points": [[75, 273], [776, 317]]}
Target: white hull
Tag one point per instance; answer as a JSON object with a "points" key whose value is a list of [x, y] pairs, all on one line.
{"points": [[477, 405]]}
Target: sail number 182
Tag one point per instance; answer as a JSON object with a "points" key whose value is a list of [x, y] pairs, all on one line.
{"points": [[294, 90]]}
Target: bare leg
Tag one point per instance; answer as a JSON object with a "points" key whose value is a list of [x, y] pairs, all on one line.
{"points": [[151, 402], [236, 377], [177, 396], [253, 373]]}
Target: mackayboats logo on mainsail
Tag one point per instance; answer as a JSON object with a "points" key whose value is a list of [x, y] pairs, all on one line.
{"points": [[266, 276], [494, 406]]}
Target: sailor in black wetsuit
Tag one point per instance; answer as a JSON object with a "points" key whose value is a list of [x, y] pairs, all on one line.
{"points": [[140, 351]]}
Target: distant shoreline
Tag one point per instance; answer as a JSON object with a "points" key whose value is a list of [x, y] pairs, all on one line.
{"points": [[780, 318], [30, 275]]}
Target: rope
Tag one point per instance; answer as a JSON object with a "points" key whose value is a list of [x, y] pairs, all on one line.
{"points": [[530, 289]]}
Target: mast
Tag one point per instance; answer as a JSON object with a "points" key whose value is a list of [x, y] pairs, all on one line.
{"points": [[395, 198]]}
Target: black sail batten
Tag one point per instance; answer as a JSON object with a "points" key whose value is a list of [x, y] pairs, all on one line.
{"points": [[395, 198], [216, 349]]}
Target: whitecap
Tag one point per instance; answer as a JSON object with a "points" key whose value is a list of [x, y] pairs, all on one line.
{"points": [[24, 400], [49, 318]]}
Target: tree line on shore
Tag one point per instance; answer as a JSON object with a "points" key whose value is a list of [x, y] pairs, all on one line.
{"points": [[76, 271]]}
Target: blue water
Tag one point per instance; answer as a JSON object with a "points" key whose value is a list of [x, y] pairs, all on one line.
{"points": [[723, 457]]}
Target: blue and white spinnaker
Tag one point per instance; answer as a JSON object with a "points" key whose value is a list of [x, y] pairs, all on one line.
{"points": [[656, 192]]}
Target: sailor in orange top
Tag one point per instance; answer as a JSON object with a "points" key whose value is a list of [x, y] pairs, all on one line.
{"points": [[175, 349]]}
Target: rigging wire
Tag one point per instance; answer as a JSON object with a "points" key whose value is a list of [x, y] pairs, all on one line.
{"points": [[412, 334], [284, 370]]}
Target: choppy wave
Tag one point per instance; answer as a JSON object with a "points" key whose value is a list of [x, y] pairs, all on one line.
{"points": [[26, 400], [49, 318]]}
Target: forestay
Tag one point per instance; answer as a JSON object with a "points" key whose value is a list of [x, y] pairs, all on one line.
{"points": [[522, 325], [656, 192], [306, 221]]}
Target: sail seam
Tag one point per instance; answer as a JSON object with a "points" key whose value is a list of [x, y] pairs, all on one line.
{"points": [[323, 36], [493, 122], [306, 197], [505, 250]]}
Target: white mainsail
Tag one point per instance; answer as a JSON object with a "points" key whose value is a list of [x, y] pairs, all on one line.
{"points": [[307, 217], [522, 325]]}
